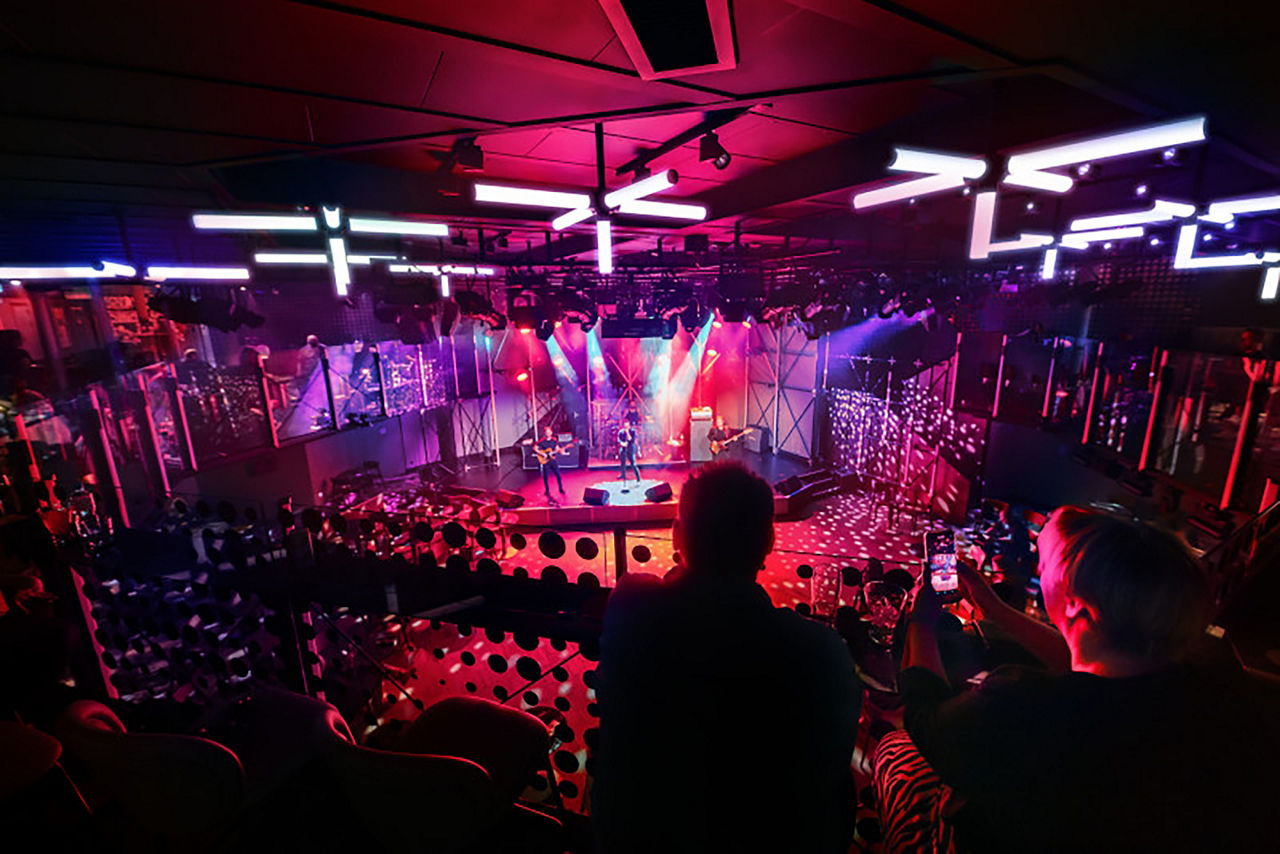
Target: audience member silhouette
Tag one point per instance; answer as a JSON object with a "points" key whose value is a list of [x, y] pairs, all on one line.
{"points": [[726, 724]]}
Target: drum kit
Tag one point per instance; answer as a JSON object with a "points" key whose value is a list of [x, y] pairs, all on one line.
{"points": [[649, 438]]}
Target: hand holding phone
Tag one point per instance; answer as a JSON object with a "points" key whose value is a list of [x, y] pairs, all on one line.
{"points": [[940, 559]]}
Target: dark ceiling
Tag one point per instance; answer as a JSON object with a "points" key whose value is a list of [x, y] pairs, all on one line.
{"points": [[120, 118]]}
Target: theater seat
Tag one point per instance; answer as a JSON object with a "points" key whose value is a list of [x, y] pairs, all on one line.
{"points": [[509, 744], [174, 786], [407, 801]]}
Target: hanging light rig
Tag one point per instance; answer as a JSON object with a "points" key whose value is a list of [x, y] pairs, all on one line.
{"points": [[631, 200], [333, 225]]}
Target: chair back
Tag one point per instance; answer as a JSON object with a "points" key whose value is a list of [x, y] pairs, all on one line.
{"points": [[509, 744], [171, 785], [413, 802]]}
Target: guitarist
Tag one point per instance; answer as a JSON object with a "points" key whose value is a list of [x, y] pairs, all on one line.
{"points": [[718, 437], [548, 451], [627, 448]]}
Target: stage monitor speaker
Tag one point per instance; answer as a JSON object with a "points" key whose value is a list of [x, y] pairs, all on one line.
{"points": [[595, 497], [509, 500], [661, 492], [789, 486]]}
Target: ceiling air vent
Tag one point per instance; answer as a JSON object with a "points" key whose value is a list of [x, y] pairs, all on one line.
{"points": [[672, 38]]}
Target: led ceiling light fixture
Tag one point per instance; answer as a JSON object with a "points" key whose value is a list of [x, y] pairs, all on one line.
{"points": [[1026, 169], [104, 270], [1161, 211], [579, 207], [212, 274], [253, 222], [944, 171]]}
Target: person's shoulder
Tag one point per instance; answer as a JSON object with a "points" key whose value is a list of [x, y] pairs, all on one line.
{"points": [[791, 627]]}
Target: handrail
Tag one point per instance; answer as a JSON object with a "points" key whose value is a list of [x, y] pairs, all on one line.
{"points": [[1251, 523]]}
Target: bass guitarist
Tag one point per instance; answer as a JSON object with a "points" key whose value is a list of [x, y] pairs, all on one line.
{"points": [[721, 437]]}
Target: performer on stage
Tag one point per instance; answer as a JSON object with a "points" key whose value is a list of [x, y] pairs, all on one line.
{"points": [[628, 442], [548, 452], [718, 437]]}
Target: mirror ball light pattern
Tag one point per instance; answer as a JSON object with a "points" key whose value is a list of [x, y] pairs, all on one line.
{"points": [[554, 679]]}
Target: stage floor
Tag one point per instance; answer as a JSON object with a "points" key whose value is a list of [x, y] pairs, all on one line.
{"points": [[601, 475]]}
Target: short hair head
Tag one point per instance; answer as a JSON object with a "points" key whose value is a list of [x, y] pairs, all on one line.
{"points": [[725, 523], [190, 354], [1139, 589]]}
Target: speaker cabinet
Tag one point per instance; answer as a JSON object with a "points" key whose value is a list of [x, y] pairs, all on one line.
{"points": [[509, 500], [661, 492], [596, 497], [699, 426]]}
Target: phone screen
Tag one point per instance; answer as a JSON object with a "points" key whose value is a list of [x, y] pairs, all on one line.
{"points": [[940, 550]]}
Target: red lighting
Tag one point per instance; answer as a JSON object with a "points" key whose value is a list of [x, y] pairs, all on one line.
{"points": [[523, 375], [525, 331]]}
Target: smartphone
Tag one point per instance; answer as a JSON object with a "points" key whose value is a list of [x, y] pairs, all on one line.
{"points": [[940, 555]]}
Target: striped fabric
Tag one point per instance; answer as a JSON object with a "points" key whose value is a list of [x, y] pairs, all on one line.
{"points": [[914, 804]]}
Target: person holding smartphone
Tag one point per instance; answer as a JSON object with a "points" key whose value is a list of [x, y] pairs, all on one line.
{"points": [[1115, 744]]}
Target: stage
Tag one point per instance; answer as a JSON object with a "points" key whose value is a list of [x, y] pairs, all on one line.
{"points": [[627, 504]]}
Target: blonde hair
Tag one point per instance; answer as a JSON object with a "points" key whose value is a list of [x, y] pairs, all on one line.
{"points": [[1148, 595]]}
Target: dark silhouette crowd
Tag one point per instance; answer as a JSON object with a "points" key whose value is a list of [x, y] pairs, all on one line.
{"points": [[729, 725]]}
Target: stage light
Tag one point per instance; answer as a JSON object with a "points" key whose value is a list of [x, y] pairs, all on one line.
{"points": [[525, 331], [717, 324], [709, 148], [467, 154], [160, 274], [504, 195], [1031, 206], [254, 222], [712, 352], [523, 375], [365, 225], [1026, 169], [1084, 169], [1140, 190], [545, 330], [1155, 241]]}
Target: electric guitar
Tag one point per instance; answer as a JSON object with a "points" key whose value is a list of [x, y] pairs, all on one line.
{"points": [[549, 454], [717, 446]]}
